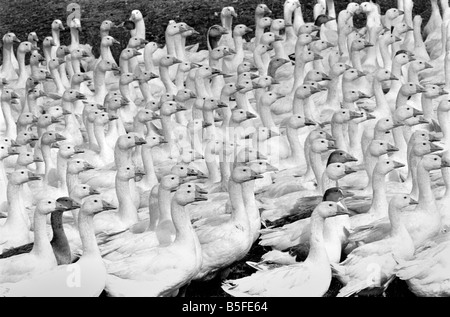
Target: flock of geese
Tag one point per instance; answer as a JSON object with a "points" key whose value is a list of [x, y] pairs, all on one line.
{"points": [[325, 143]]}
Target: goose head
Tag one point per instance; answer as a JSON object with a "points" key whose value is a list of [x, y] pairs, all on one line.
{"points": [[379, 147], [45, 120], [153, 140], [297, 122], [152, 47], [261, 167], [263, 134], [316, 76], [434, 91], [214, 35], [239, 115], [128, 141], [8, 142], [246, 66], [10, 38], [277, 26], [337, 171], [419, 65], [47, 206], [169, 108], [57, 111], [33, 39], [26, 137], [386, 124], [36, 58], [328, 209], [393, 13], [338, 69], [137, 43], [241, 30], [247, 76], [128, 172], [269, 37], [220, 52], [246, 85], [405, 112], [186, 66], [169, 60], [264, 23], [336, 194], [211, 104], [54, 63], [384, 166], [388, 38], [248, 154], [93, 205], [320, 134], [187, 195], [173, 29], [22, 176], [77, 165], [399, 202], [352, 74], [26, 118], [228, 12], [344, 115], [409, 89], [50, 137], [401, 28], [48, 42], [359, 44], [403, 57], [444, 105], [353, 95], [25, 47], [62, 51], [127, 78], [432, 162], [7, 151], [145, 115], [105, 66], [78, 78], [322, 145], [184, 95], [24, 159], [307, 29], [242, 174], [115, 103], [421, 148], [384, 75], [269, 97], [262, 9], [102, 118], [36, 93], [423, 135], [339, 156], [262, 48], [106, 26], [171, 182], [152, 105], [145, 76], [267, 81], [129, 53], [108, 41], [68, 150], [72, 95]]}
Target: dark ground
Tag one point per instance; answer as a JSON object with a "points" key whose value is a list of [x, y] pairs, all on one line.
{"points": [[24, 16]]}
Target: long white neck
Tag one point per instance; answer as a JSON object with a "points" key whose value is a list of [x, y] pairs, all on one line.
{"points": [[127, 211]]}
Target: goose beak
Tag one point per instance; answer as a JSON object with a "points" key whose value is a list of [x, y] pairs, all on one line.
{"points": [[200, 197], [278, 38], [362, 95], [317, 56], [206, 124], [256, 86], [443, 92], [445, 163], [80, 96], [341, 209], [309, 122], [433, 138], [139, 140], [331, 146], [180, 107], [250, 115], [360, 73], [139, 172], [78, 150], [273, 134], [37, 159], [370, 116], [423, 120], [349, 170], [367, 44], [192, 95], [417, 112], [398, 164], [87, 166], [413, 201], [54, 145], [112, 117], [162, 141], [114, 67], [60, 207], [260, 156], [33, 177], [54, 120], [13, 151], [66, 112], [200, 190], [59, 137], [101, 107], [15, 39], [350, 158], [221, 104], [93, 191], [191, 172], [14, 144], [67, 203], [271, 168], [398, 124], [393, 77], [435, 148], [420, 89], [105, 206], [354, 115], [255, 175], [391, 148]]}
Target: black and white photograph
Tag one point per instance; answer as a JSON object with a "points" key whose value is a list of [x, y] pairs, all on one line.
{"points": [[224, 153]]}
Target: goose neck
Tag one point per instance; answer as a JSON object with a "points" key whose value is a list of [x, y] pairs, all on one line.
{"points": [[41, 242], [317, 252], [127, 210], [426, 197], [150, 173], [61, 165], [294, 142], [17, 215], [238, 213], [181, 222], [87, 234], [379, 201], [443, 119], [164, 201]]}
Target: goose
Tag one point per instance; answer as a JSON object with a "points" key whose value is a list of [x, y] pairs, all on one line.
{"points": [[313, 275], [183, 256], [226, 16], [90, 265], [5, 152], [15, 231], [226, 241], [422, 222], [41, 257], [370, 268], [10, 63], [260, 25], [6, 104], [231, 64]]}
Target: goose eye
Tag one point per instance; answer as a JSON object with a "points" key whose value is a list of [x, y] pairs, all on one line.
{"points": [[22, 172], [128, 168], [49, 202], [331, 205], [388, 163], [173, 178], [95, 201], [435, 159], [181, 168]]}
